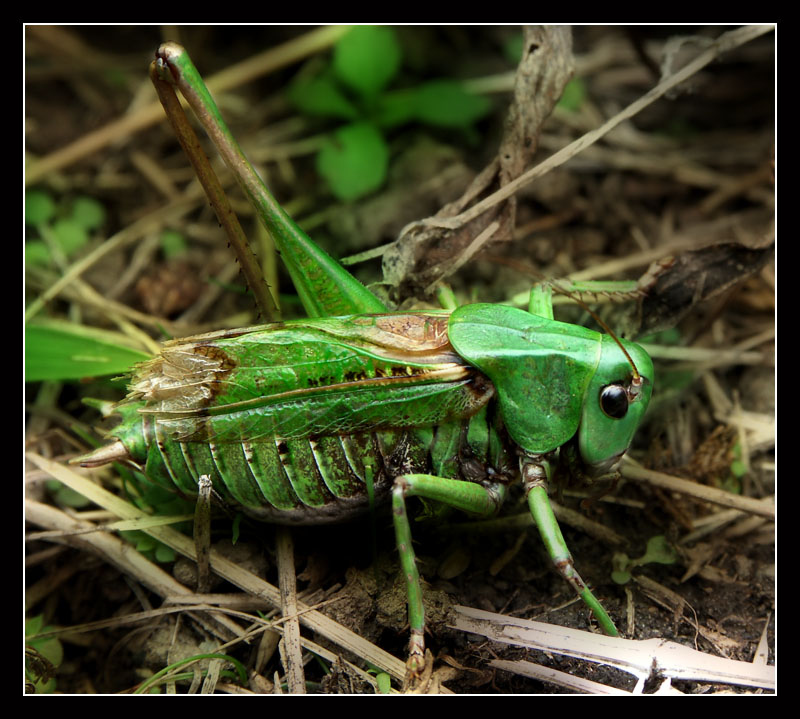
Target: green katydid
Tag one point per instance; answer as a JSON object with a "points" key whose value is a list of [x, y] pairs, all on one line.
{"points": [[304, 421]]}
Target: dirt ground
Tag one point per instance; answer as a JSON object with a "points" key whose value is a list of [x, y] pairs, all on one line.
{"points": [[691, 176]]}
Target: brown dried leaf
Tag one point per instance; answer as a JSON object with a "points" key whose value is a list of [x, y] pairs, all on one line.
{"points": [[694, 277]]}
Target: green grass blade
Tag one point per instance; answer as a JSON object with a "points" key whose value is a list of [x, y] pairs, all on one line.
{"points": [[56, 350]]}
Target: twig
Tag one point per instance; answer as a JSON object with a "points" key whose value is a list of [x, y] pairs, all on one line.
{"points": [[226, 569], [762, 507], [642, 658], [723, 44], [287, 581]]}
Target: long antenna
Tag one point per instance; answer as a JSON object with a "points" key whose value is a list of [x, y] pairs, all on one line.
{"points": [[636, 380]]}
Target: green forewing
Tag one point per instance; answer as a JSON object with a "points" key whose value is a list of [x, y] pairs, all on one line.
{"points": [[540, 368], [308, 378]]}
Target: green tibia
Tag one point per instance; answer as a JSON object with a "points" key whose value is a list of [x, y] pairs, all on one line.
{"points": [[546, 523], [465, 496]]}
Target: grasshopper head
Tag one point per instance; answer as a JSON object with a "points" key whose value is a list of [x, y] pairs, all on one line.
{"points": [[555, 380], [616, 401]]}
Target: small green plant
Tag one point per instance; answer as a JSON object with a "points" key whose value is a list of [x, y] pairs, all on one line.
{"points": [[42, 657], [659, 551], [173, 244], [60, 229], [383, 679], [59, 349], [150, 497], [738, 470], [149, 546], [353, 87], [573, 96], [65, 496]]}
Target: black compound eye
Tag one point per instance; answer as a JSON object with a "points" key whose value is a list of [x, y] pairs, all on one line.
{"points": [[614, 401]]}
